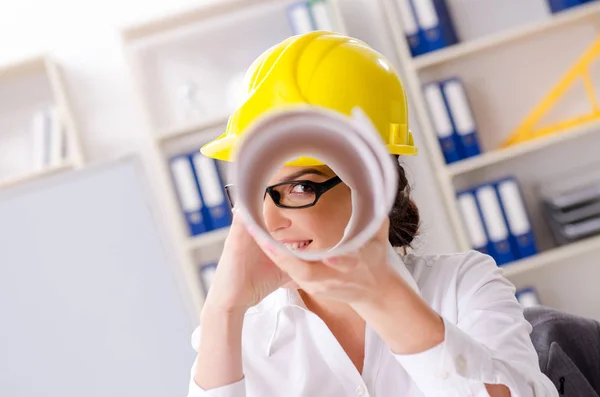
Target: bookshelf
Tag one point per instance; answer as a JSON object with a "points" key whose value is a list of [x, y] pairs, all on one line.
{"points": [[552, 256], [580, 14], [40, 135], [200, 55], [506, 74], [501, 155]]}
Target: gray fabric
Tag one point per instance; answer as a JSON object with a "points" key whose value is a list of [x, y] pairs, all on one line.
{"points": [[568, 348]]}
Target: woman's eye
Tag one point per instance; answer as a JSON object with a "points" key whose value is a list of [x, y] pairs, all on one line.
{"points": [[302, 188]]}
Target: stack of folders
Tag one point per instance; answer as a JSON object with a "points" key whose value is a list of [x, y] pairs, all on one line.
{"points": [[427, 25], [497, 222], [452, 118], [560, 5], [575, 214], [310, 15], [528, 297], [207, 272], [49, 146], [201, 193]]}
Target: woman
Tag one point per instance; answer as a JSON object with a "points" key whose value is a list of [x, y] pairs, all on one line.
{"points": [[368, 324]]}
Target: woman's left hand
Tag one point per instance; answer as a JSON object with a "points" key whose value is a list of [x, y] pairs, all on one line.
{"points": [[354, 278]]}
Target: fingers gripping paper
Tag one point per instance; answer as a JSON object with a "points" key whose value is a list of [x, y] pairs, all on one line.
{"points": [[350, 146]]}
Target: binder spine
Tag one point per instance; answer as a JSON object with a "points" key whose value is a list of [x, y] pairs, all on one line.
{"points": [[434, 19], [300, 18], [442, 122], [41, 130], [472, 221], [321, 15], [462, 117], [515, 213], [189, 195], [498, 236], [414, 35], [560, 5], [207, 273], [528, 297], [57, 138], [211, 186]]}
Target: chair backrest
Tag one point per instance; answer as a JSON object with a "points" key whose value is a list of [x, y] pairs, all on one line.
{"points": [[568, 348]]}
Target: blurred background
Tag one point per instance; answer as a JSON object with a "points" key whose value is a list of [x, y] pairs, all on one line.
{"points": [[111, 223]]}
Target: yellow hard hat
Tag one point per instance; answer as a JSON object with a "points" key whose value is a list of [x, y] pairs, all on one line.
{"points": [[323, 69]]}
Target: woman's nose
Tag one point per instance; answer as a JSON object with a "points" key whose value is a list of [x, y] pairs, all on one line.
{"points": [[275, 218]]}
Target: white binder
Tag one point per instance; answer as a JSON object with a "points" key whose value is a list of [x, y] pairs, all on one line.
{"points": [[300, 18], [438, 110], [472, 220], [459, 106], [514, 208], [189, 196], [321, 15]]}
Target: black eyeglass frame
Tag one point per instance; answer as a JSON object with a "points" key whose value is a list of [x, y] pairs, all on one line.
{"points": [[320, 188]]}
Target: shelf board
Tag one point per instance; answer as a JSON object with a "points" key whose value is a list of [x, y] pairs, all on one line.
{"points": [[554, 255], [22, 67], [208, 239], [34, 175], [189, 16], [555, 21], [505, 154], [205, 125]]}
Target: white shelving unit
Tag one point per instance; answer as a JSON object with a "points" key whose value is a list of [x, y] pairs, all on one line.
{"points": [[26, 87], [580, 14], [208, 48], [506, 74]]}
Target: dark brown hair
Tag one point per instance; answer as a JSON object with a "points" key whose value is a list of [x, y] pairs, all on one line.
{"points": [[404, 216]]}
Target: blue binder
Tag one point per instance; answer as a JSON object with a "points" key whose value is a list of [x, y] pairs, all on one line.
{"points": [[496, 228], [515, 214], [435, 21], [528, 297], [560, 5], [467, 205], [207, 273], [189, 195], [461, 116], [442, 122], [211, 187], [414, 36], [300, 18]]}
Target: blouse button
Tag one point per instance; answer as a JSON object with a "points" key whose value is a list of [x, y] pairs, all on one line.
{"points": [[360, 391], [461, 364], [443, 375]]}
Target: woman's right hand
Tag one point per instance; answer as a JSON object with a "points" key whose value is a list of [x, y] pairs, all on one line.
{"points": [[244, 275]]}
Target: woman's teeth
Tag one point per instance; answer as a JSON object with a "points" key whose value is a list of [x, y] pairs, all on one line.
{"points": [[297, 245]]}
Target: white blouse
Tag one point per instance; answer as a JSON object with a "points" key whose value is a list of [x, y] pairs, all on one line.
{"points": [[288, 351]]}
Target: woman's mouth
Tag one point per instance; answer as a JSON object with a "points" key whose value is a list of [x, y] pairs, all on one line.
{"points": [[297, 245]]}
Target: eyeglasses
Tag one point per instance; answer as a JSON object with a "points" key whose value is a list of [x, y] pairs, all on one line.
{"points": [[295, 194]]}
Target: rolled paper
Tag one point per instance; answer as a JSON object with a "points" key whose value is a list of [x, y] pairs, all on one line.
{"points": [[349, 145]]}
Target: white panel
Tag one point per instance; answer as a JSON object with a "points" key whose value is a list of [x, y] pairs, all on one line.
{"points": [[90, 293]]}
